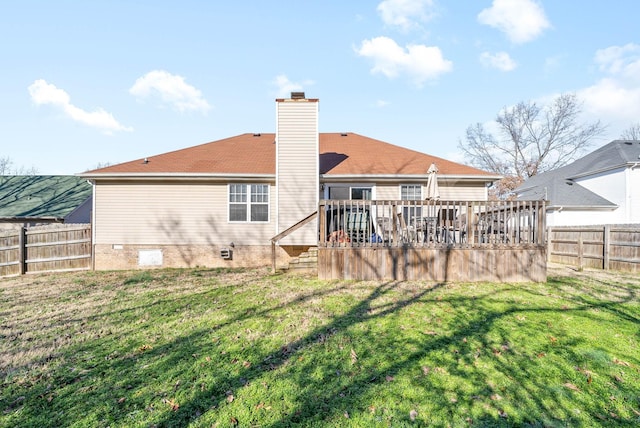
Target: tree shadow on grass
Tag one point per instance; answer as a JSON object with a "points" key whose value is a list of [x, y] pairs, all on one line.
{"points": [[454, 357], [336, 392], [307, 397], [443, 360], [130, 368]]}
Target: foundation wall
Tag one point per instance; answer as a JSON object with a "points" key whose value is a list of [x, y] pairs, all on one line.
{"points": [[114, 257]]}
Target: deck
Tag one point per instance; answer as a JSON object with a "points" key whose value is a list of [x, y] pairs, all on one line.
{"points": [[432, 240]]}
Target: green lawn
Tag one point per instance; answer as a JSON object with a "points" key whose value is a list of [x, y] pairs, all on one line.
{"points": [[244, 348]]}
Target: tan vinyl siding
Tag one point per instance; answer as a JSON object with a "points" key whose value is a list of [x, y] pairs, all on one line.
{"points": [[388, 192], [468, 192], [171, 214], [297, 168]]}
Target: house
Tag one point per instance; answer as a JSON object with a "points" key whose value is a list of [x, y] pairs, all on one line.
{"points": [[41, 199], [602, 187], [221, 203]]}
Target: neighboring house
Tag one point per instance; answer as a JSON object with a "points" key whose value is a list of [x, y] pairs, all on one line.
{"points": [[41, 199], [603, 187], [187, 207]]}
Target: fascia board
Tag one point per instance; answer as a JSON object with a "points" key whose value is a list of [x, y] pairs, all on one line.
{"points": [[178, 177], [396, 177]]}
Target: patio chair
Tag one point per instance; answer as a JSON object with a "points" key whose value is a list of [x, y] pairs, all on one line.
{"points": [[384, 228], [407, 231], [428, 227], [358, 227], [446, 217], [493, 230], [460, 228]]}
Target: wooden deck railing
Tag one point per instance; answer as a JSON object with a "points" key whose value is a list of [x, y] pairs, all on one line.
{"points": [[435, 224]]}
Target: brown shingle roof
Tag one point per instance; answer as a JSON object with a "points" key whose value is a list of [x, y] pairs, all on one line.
{"points": [[353, 154], [251, 154]]}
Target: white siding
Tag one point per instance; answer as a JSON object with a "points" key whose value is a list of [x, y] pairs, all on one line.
{"points": [[621, 187], [611, 185], [171, 214], [297, 176], [633, 195], [580, 217]]}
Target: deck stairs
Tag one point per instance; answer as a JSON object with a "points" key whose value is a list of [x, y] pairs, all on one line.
{"points": [[306, 262]]}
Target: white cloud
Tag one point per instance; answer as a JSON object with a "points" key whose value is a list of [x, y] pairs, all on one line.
{"points": [[616, 96], [500, 60], [381, 103], [521, 20], [419, 62], [405, 14], [171, 89], [45, 93], [609, 98], [623, 60], [284, 86]]}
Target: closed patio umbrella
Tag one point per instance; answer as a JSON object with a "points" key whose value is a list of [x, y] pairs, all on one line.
{"points": [[433, 193]]}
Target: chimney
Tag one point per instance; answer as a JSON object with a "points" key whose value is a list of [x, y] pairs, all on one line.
{"points": [[297, 171]]}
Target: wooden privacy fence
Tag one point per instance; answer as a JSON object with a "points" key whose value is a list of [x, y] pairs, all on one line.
{"points": [[614, 247], [45, 248]]}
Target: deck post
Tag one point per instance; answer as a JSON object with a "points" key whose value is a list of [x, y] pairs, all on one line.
{"points": [[273, 257]]}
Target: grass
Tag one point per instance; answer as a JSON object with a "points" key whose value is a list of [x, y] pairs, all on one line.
{"points": [[201, 348]]}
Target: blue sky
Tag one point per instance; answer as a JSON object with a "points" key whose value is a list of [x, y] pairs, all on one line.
{"points": [[85, 83]]}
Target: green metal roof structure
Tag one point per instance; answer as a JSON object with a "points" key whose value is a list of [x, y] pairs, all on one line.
{"points": [[41, 197]]}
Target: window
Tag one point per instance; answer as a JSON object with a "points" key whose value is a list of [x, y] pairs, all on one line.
{"points": [[249, 202], [354, 193], [411, 192], [338, 192], [361, 193]]}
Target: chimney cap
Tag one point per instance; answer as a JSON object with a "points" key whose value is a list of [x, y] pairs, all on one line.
{"points": [[297, 95]]}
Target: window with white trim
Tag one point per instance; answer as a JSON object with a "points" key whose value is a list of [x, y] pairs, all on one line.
{"points": [[249, 202], [411, 192]]}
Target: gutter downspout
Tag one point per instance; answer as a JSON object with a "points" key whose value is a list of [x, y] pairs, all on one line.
{"points": [[628, 183], [93, 225]]}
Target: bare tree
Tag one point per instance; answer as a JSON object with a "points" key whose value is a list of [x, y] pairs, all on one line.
{"points": [[529, 139], [101, 165], [631, 133], [6, 164]]}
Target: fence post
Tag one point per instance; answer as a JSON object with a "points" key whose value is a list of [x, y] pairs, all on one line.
{"points": [[22, 251], [606, 239], [549, 242], [580, 250], [541, 212]]}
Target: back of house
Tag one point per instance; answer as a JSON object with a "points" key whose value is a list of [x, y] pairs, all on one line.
{"points": [[221, 203]]}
